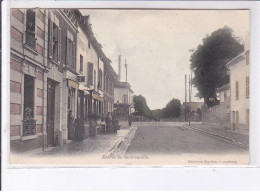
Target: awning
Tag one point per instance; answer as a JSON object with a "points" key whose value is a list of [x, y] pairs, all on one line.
{"points": [[83, 88], [97, 97], [73, 84]]}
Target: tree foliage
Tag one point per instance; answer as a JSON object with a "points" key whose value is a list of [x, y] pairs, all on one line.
{"points": [[172, 109], [141, 107], [208, 62]]}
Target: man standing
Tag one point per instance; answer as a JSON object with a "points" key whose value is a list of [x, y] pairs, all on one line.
{"points": [[130, 118]]}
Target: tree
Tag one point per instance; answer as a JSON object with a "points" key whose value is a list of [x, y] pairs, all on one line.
{"points": [[156, 114], [141, 108], [208, 62], [172, 109]]}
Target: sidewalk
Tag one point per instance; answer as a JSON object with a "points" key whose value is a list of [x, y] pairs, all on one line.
{"points": [[238, 136], [98, 144]]}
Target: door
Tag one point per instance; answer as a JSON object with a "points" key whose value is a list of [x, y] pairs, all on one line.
{"points": [[233, 120], [237, 119], [50, 112]]}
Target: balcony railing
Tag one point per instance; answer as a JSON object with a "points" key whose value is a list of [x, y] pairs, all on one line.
{"points": [[30, 39], [29, 127]]}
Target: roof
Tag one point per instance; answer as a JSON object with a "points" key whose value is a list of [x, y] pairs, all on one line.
{"points": [[236, 59], [119, 84], [86, 26]]}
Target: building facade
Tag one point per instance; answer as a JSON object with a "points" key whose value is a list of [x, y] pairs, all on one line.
{"points": [[33, 70], [123, 99], [110, 78], [57, 69], [239, 69]]}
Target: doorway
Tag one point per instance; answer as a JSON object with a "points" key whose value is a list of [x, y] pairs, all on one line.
{"points": [[50, 112]]}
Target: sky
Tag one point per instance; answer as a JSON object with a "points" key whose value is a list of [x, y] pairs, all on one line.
{"points": [[156, 45]]}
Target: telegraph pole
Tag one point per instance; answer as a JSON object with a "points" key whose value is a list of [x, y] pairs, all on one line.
{"points": [[119, 67], [189, 98], [185, 104], [126, 70]]}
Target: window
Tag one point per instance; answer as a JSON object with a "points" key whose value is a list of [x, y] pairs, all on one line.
{"points": [[70, 51], [71, 99], [100, 79], [29, 124], [90, 74], [247, 58], [29, 93], [30, 28], [89, 44], [95, 79], [247, 86], [237, 90], [237, 119], [124, 98], [81, 64], [247, 118], [54, 39]]}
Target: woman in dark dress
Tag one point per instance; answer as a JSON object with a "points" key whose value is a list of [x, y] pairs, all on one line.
{"points": [[71, 128]]}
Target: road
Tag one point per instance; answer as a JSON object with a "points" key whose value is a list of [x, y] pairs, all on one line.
{"points": [[168, 138]]}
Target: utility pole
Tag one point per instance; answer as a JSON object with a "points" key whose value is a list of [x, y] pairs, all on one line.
{"points": [[191, 85], [189, 99], [119, 67], [185, 104], [126, 70]]}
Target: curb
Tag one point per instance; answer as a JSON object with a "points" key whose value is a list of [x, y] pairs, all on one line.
{"points": [[119, 142], [220, 137]]}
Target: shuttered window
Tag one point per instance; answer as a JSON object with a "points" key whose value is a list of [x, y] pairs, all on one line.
{"points": [[237, 90], [28, 96], [81, 64], [90, 74], [247, 118], [54, 41], [247, 86], [237, 119], [30, 28], [247, 58]]}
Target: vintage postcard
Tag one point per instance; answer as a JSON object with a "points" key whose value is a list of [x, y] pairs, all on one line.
{"points": [[132, 87]]}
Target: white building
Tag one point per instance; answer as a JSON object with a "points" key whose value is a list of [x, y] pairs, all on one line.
{"points": [[239, 88], [123, 99]]}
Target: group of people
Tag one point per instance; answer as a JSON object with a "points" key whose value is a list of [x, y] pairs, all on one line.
{"points": [[76, 126], [112, 122]]}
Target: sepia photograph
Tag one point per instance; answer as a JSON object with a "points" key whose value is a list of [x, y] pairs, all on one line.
{"points": [[129, 87]]}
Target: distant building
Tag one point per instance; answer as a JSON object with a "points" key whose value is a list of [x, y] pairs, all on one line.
{"points": [[123, 99], [195, 110], [239, 88]]}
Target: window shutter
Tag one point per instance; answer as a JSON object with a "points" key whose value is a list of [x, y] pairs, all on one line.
{"points": [[50, 39], [59, 45], [67, 51], [90, 74], [73, 55]]}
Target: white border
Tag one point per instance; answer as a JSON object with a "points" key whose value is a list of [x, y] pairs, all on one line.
{"points": [[135, 178]]}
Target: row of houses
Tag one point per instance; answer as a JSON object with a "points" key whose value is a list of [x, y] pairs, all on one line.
{"points": [[233, 111], [58, 68]]}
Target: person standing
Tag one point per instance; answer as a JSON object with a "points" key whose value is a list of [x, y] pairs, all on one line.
{"points": [[71, 127], [130, 118]]}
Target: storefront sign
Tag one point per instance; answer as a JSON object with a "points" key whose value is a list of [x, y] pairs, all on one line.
{"points": [[73, 84], [97, 97]]}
